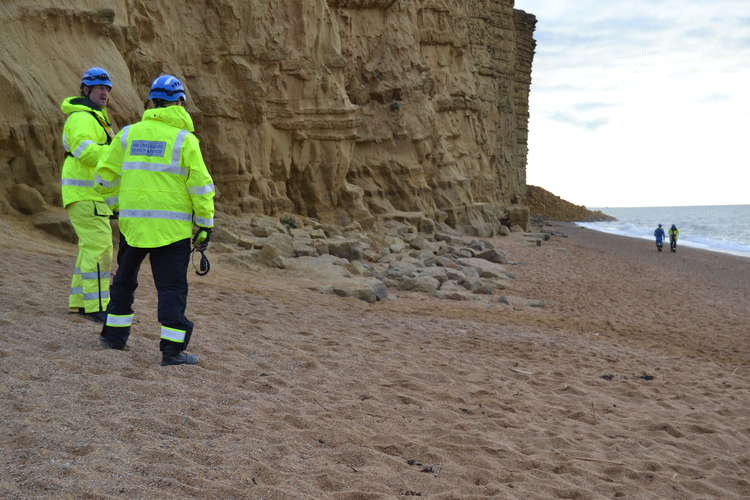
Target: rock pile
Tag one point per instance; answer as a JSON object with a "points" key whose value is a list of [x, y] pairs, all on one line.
{"points": [[349, 261]]}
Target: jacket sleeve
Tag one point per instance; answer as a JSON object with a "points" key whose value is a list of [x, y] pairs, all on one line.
{"points": [[200, 185], [109, 169], [81, 135]]}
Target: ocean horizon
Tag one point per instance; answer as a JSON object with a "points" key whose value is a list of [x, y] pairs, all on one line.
{"points": [[717, 228]]}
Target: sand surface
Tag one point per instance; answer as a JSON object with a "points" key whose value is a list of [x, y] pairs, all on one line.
{"points": [[632, 382]]}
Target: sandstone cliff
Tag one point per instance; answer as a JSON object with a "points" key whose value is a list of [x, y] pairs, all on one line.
{"points": [[544, 204], [340, 110]]}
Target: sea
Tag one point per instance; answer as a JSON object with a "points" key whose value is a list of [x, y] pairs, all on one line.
{"points": [[721, 228]]}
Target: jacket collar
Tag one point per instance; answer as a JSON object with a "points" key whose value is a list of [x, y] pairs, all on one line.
{"points": [[175, 116], [81, 103]]}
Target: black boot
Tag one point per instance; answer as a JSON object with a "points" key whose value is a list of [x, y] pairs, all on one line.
{"points": [[108, 344], [98, 316], [180, 358]]}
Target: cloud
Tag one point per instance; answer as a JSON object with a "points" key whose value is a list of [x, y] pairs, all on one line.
{"points": [[716, 98], [574, 120], [626, 86], [589, 106]]}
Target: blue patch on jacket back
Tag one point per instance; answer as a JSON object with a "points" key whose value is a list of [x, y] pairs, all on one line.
{"points": [[148, 148]]}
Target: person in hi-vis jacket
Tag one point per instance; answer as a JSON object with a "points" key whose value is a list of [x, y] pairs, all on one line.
{"points": [[86, 135], [156, 171], [674, 233]]}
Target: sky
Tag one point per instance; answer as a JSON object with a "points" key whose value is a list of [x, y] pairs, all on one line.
{"points": [[641, 102]]}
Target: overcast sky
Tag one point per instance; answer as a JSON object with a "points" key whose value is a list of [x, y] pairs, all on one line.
{"points": [[641, 103]]}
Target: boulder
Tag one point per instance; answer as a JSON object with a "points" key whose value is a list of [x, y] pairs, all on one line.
{"points": [[368, 289], [264, 226], [425, 284], [480, 245], [454, 274], [401, 269], [27, 200], [493, 255], [303, 249], [221, 234], [395, 245], [451, 290], [357, 268], [56, 223], [485, 268], [349, 249], [463, 252], [421, 243], [221, 248], [425, 225], [281, 242], [321, 247], [270, 256], [445, 262], [374, 254], [438, 273], [487, 287], [518, 215], [448, 238]]}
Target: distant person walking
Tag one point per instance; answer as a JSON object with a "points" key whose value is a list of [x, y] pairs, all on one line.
{"points": [[674, 233], [86, 135], [156, 169], [659, 235]]}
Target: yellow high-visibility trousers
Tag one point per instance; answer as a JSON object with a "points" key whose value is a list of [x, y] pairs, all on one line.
{"points": [[89, 286]]}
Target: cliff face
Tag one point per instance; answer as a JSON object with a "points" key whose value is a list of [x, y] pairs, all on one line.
{"points": [[340, 109]]}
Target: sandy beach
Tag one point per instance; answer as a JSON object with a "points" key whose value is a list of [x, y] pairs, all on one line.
{"points": [[632, 381]]}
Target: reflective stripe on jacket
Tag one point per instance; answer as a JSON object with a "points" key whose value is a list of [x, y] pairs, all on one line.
{"points": [[155, 170], [85, 136]]}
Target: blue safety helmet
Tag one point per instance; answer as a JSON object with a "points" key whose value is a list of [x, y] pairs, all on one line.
{"points": [[167, 88], [96, 76]]}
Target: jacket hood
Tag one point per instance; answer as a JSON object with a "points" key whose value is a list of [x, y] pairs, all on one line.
{"points": [[79, 103], [175, 116]]}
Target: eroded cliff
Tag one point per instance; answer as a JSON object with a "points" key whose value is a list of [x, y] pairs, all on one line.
{"points": [[340, 110], [542, 203]]}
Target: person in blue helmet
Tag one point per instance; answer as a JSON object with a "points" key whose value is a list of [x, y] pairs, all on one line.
{"points": [[86, 135], [659, 235], [165, 192]]}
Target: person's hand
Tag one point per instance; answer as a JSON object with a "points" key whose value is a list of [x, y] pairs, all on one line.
{"points": [[201, 238]]}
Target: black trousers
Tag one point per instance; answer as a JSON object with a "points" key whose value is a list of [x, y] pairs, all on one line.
{"points": [[169, 266]]}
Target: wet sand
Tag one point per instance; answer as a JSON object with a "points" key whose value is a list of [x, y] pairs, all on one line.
{"points": [[633, 381]]}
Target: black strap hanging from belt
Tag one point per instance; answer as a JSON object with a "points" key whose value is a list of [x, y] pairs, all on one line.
{"points": [[204, 266]]}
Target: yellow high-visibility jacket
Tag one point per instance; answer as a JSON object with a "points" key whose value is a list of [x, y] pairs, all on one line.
{"points": [[86, 134], [155, 170]]}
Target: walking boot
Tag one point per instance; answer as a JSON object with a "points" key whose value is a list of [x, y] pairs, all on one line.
{"points": [[107, 344], [98, 316], [180, 358]]}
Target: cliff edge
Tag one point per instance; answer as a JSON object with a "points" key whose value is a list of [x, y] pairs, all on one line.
{"points": [[544, 204], [341, 110]]}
